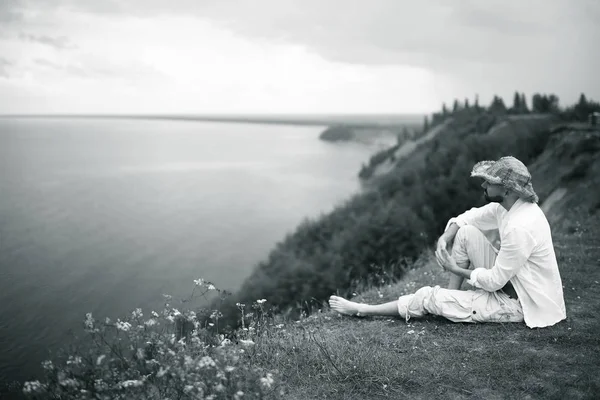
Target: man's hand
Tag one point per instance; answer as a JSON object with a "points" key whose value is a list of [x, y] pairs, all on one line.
{"points": [[445, 260]]}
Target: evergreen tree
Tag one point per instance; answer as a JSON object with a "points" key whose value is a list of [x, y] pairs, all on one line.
{"points": [[536, 103], [466, 104], [516, 108], [543, 103], [497, 105], [477, 102], [553, 103], [426, 124], [582, 101], [524, 106], [455, 107], [444, 109]]}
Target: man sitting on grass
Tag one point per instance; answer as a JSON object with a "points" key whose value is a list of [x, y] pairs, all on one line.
{"points": [[519, 282]]}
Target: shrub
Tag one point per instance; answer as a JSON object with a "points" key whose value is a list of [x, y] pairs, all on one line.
{"points": [[168, 355]]}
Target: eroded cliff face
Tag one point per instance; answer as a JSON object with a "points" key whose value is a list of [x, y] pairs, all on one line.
{"points": [[567, 173]]}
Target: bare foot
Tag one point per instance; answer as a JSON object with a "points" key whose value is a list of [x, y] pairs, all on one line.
{"points": [[344, 306]]}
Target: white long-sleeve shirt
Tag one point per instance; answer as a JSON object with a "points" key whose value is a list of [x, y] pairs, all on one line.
{"points": [[526, 259]]}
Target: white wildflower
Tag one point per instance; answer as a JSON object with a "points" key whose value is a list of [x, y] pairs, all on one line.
{"points": [[100, 359], [74, 360], [130, 383], [279, 326], [191, 315], [261, 301], [210, 286], [238, 395], [246, 342], [89, 321], [267, 381], [170, 318], [47, 365], [123, 326], [68, 382], [154, 314], [188, 388], [229, 368], [206, 362], [32, 387], [410, 332], [150, 322], [137, 313], [199, 282], [188, 361]]}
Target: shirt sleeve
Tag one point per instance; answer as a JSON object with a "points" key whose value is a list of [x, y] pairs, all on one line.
{"points": [[517, 246], [483, 218]]}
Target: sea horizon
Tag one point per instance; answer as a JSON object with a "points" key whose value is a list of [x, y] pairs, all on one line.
{"points": [[358, 120]]}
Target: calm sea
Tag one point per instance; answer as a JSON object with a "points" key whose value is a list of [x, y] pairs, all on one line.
{"points": [[103, 216]]}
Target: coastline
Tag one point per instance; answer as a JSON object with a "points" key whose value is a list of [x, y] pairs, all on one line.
{"points": [[352, 120]]}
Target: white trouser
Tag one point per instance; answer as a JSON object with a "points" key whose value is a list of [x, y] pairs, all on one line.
{"points": [[471, 248]]}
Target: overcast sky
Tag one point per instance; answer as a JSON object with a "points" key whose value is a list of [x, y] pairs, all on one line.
{"points": [[291, 56]]}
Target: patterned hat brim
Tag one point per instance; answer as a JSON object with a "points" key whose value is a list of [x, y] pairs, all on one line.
{"points": [[526, 192]]}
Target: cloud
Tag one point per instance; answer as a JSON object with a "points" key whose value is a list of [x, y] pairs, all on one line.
{"points": [[60, 43], [72, 69], [4, 64], [10, 11], [492, 46], [274, 49]]}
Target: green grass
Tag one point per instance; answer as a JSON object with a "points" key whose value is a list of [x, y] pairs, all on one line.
{"points": [[328, 356]]}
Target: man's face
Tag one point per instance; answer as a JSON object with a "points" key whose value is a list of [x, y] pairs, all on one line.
{"points": [[493, 193]]}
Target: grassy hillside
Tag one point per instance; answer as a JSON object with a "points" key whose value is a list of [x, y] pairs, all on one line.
{"points": [[398, 216], [331, 356], [336, 357]]}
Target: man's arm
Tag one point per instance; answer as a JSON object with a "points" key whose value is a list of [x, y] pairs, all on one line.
{"points": [[483, 218], [517, 247]]}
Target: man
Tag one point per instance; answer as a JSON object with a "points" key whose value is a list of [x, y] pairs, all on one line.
{"points": [[518, 282]]}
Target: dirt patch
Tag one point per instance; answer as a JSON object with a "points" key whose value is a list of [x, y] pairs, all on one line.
{"points": [[554, 197]]}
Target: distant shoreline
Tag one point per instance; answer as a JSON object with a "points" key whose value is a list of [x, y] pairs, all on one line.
{"points": [[357, 121]]}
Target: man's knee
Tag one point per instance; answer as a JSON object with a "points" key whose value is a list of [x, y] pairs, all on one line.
{"points": [[460, 249], [467, 232], [411, 305]]}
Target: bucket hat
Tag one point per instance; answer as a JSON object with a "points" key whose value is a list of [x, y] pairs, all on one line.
{"points": [[510, 173]]}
